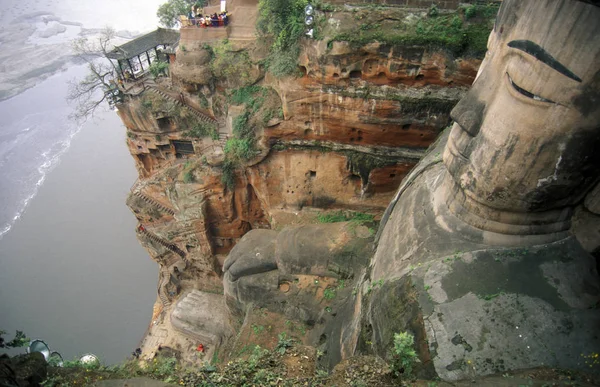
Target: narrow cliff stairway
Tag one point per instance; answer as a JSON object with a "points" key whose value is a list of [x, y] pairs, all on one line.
{"points": [[165, 243], [201, 116], [154, 203], [163, 280]]}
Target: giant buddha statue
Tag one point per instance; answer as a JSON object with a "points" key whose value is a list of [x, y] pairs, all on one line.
{"points": [[475, 255], [476, 250]]}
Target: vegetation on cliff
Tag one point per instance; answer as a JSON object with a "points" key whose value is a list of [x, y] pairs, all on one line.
{"points": [[287, 364], [260, 105], [282, 22], [19, 340], [463, 32]]}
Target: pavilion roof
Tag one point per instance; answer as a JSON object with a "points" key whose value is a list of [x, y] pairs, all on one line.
{"points": [[144, 43]]}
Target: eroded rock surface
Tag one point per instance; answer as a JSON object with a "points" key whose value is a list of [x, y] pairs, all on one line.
{"points": [[202, 316]]}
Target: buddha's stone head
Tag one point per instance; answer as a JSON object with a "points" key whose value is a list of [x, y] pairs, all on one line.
{"points": [[526, 137]]}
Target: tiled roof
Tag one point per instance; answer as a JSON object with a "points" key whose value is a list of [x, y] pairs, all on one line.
{"points": [[144, 43]]}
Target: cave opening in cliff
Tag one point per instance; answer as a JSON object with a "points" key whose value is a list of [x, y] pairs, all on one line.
{"points": [[164, 124], [183, 147], [355, 74]]}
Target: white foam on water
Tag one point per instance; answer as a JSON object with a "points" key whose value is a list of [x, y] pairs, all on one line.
{"points": [[51, 160]]}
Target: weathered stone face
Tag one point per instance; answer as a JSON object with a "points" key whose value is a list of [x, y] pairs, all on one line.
{"points": [[527, 133], [496, 282]]}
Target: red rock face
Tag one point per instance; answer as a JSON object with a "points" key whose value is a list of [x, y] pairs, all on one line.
{"points": [[355, 121], [377, 96], [231, 214], [353, 126], [384, 64], [295, 179]]}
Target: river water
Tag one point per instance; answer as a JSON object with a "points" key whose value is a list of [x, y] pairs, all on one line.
{"points": [[71, 269]]}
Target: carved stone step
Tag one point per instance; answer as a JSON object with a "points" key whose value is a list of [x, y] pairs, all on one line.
{"points": [[163, 280], [163, 242], [154, 203], [199, 115]]}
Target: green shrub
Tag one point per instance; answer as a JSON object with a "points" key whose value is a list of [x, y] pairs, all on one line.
{"points": [[240, 124], [20, 340], [161, 367], [228, 176], [404, 355], [188, 177], [158, 68], [251, 96], [329, 294], [239, 149], [202, 129], [283, 343], [231, 65], [283, 20]]}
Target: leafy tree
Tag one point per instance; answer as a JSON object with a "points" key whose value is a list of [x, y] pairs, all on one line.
{"points": [[168, 13], [19, 340], [89, 92]]}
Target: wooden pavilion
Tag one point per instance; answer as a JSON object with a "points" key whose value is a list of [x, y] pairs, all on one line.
{"points": [[136, 56]]}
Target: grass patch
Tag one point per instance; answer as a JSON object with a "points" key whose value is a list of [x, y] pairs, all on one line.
{"points": [[340, 216], [203, 129], [463, 32]]}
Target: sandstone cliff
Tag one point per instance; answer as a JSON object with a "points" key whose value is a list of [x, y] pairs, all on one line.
{"points": [[223, 147]]}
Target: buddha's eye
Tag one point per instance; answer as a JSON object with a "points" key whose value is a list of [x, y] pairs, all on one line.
{"points": [[525, 92]]}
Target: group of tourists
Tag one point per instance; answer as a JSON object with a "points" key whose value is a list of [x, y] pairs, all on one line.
{"points": [[196, 18]]}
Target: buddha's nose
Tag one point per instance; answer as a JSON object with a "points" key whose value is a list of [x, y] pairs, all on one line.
{"points": [[468, 113]]}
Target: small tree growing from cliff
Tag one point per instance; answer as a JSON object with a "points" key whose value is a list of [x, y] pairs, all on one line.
{"points": [[90, 92], [404, 356]]}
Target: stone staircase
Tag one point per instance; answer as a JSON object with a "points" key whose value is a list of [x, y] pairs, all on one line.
{"points": [[171, 260], [163, 280], [201, 116], [154, 203], [168, 245]]}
